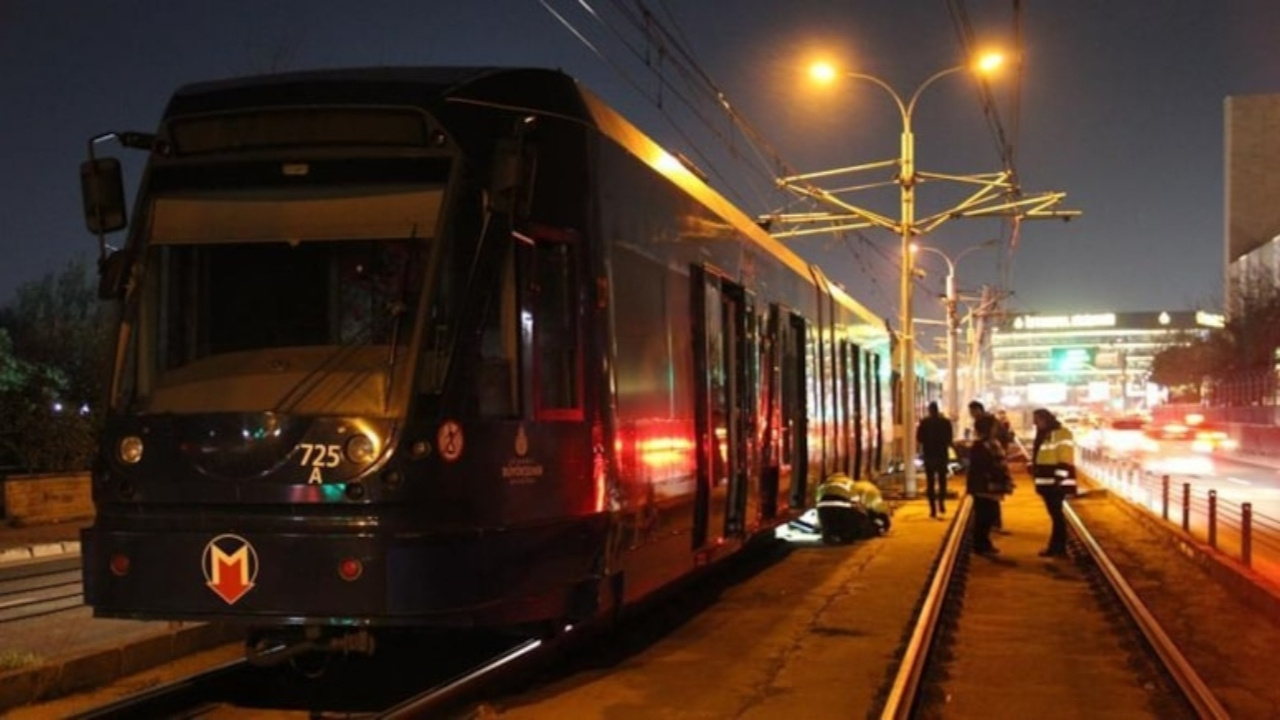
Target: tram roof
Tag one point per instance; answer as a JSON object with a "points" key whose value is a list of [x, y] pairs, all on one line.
{"points": [[534, 90]]}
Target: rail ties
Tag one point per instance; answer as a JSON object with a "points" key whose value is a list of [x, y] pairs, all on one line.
{"points": [[1016, 635]]}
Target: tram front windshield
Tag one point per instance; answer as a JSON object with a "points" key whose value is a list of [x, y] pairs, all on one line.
{"points": [[278, 299]]}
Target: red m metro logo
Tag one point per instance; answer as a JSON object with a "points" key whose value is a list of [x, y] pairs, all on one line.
{"points": [[230, 566]]}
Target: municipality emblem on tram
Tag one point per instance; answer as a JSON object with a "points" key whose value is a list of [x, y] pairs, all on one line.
{"points": [[230, 566]]}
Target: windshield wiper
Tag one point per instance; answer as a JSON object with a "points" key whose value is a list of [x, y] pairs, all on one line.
{"points": [[395, 309]]}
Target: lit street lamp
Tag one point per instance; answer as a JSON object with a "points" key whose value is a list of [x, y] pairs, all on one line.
{"points": [[907, 229], [953, 319]]}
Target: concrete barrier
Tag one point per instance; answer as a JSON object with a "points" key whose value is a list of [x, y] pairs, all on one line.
{"points": [[1261, 440], [47, 498]]}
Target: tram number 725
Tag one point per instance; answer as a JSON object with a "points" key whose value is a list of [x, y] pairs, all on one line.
{"points": [[320, 456]]}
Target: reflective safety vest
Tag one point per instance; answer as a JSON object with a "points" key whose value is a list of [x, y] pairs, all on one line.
{"points": [[844, 490], [1055, 461]]}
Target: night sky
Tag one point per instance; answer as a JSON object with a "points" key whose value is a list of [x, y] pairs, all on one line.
{"points": [[1121, 107]]}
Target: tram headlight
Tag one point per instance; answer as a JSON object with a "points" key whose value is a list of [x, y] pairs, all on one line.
{"points": [[130, 449], [360, 450]]}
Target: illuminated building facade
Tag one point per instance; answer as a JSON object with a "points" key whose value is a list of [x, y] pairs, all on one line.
{"points": [[1252, 224], [1099, 362]]}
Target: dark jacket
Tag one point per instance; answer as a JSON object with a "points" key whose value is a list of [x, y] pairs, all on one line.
{"points": [[934, 437], [988, 474]]}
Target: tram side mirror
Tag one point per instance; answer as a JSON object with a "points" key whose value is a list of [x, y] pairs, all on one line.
{"points": [[113, 274], [102, 190], [511, 177]]}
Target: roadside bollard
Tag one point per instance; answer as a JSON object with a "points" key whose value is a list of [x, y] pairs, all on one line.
{"points": [[1186, 507], [1213, 519], [1246, 534], [1164, 497]]}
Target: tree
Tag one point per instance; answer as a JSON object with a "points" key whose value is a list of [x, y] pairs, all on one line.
{"points": [[58, 322], [1253, 321], [52, 342], [1236, 360], [1183, 365]]}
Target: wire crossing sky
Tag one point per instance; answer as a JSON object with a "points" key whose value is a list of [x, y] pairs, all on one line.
{"points": [[1120, 105]]}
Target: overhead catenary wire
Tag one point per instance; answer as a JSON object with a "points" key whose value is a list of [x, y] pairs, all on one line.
{"points": [[622, 73], [1006, 142], [676, 56], [679, 85], [675, 51], [645, 54], [764, 161]]}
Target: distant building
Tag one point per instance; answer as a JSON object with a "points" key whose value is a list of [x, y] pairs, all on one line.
{"points": [[1252, 190], [1094, 361]]}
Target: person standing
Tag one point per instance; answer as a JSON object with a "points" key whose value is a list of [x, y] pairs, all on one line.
{"points": [[987, 482], [1004, 430], [934, 436], [978, 411], [1053, 469]]}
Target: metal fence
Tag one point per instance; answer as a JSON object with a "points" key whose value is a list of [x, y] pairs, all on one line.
{"points": [[1233, 529], [1244, 389]]}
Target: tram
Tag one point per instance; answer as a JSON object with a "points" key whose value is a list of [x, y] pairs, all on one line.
{"points": [[447, 347]]}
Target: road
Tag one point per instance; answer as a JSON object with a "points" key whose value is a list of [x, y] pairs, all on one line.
{"points": [[1235, 479]]}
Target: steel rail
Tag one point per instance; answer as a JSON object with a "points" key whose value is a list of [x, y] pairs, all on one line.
{"points": [[421, 705], [18, 610], [36, 589], [902, 694], [1189, 681], [47, 586]]}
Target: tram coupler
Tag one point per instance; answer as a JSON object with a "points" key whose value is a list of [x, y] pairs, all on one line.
{"points": [[266, 649]]}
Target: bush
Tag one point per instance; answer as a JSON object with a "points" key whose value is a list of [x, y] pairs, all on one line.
{"points": [[38, 439], [53, 337], [34, 436]]}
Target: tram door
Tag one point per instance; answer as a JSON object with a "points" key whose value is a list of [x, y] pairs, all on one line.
{"points": [[719, 367], [795, 408]]}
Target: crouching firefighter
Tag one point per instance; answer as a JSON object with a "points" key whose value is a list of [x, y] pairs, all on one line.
{"points": [[850, 509], [1053, 458]]}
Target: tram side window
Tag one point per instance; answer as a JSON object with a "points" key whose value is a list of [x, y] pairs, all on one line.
{"points": [[557, 350], [499, 386]]}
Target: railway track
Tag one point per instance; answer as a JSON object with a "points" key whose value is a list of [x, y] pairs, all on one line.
{"points": [[395, 685], [40, 588], [997, 637]]}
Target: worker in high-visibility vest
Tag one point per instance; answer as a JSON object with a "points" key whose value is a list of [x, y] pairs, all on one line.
{"points": [[850, 509], [1053, 469]]}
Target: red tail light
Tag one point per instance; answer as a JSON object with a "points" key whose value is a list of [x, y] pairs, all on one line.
{"points": [[350, 569], [119, 564]]}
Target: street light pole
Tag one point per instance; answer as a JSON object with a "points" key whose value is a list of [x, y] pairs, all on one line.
{"points": [[906, 228], [906, 231], [953, 328], [952, 301], [906, 179]]}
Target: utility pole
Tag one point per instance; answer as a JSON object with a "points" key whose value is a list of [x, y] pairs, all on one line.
{"points": [[950, 303], [997, 195]]}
